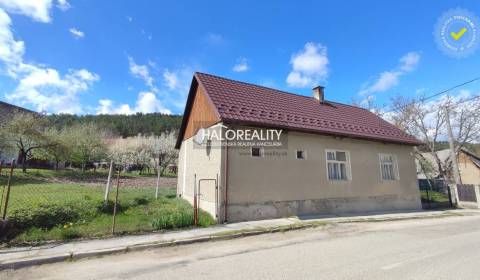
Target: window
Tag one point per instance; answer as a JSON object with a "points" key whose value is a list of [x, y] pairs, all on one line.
{"points": [[300, 154], [256, 152], [338, 165], [388, 167]]}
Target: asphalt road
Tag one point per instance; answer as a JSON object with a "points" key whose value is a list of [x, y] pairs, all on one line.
{"points": [[439, 248]]}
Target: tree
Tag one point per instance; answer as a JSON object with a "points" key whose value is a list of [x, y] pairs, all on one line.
{"points": [[145, 151], [427, 121], [87, 144], [58, 148], [24, 133], [164, 150]]}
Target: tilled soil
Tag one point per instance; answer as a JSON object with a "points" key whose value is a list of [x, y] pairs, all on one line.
{"points": [[133, 182]]}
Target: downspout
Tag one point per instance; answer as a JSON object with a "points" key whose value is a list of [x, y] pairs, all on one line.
{"points": [[226, 183]]}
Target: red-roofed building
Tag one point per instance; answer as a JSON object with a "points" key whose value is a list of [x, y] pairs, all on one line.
{"points": [[253, 152]]}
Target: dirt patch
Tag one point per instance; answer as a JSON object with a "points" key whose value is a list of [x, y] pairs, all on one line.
{"points": [[133, 182]]}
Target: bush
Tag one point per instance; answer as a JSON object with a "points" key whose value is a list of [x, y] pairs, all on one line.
{"points": [[173, 220], [107, 207], [181, 219], [140, 201], [69, 233], [44, 216]]}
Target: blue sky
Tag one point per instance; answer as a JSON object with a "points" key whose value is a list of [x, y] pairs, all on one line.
{"points": [[90, 57]]}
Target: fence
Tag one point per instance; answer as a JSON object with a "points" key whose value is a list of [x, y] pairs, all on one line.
{"points": [[435, 194], [467, 195], [54, 205]]}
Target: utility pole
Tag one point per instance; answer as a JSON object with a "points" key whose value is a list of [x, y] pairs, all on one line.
{"points": [[453, 155]]}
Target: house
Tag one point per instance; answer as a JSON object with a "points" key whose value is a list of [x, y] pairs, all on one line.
{"points": [[7, 111], [304, 155], [468, 166]]}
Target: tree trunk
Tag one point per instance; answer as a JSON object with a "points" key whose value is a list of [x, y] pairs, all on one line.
{"points": [[23, 157]]}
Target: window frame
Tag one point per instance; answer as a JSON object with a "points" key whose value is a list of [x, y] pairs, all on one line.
{"points": [[304, 153], [348, 164], [396, 171], [260, 149]]}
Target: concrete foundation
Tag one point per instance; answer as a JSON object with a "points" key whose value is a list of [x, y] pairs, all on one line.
{"points": [[277, 209]]}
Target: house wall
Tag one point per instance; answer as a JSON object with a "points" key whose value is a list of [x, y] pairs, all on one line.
{"points": [[279, 185], [196, 162], [469, 172]]}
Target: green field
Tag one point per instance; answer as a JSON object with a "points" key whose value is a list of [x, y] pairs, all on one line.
{"points": [[43, 209]]}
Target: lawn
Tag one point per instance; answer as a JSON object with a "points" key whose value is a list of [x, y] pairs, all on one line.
{"points": [[42, 209], [433, 196]]}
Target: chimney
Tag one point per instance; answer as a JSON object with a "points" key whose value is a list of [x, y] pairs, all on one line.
{"points": [[318, 94]]}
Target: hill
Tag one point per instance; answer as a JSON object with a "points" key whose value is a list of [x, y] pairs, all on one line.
{"points": [[123, 125]]}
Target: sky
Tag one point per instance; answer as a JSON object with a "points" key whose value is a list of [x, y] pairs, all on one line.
{"points": [[123, 57]]}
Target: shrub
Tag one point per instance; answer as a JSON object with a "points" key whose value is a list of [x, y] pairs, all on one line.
{"points": [[69, 233], [140, 201], [107, 207], [181, 219], [173, 220], [44, 216], [205, 219]]}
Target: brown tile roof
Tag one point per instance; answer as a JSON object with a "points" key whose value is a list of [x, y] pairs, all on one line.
{"points": [[243, 103], [8, 110]]}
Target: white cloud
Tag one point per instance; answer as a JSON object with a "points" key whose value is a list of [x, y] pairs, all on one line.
{"points": [[147, 102], [77, 34], [241, 66], [409, 61], [171, 79], [385, 81], [37, 9], [389, 79], [41, 87], [172, 90], [47, 90], [309, 66], [63, 5], [140, 71], [11, 51], [177, 80]]}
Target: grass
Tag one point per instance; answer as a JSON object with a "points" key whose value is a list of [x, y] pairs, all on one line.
{"points": [[433, 196], [60, 211]]}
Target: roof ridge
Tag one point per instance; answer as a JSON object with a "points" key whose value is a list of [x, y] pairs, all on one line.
{"points": [[279, 90], [255, 85], [16, 107], [266, 103]]}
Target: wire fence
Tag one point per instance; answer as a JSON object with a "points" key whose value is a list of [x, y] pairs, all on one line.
{"points": [[57, 205]]}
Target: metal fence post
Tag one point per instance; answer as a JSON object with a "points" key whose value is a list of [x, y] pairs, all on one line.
{"points": [[195, 212], [7, 195], [115, 203]]}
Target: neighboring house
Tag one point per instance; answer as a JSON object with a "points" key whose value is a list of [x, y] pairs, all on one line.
{"points": [[468, 165], [334, 158], [7, 111]]}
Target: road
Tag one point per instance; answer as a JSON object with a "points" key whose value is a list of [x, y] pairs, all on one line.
{"points": [[438, 248]]}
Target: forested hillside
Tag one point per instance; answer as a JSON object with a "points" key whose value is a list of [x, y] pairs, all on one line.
{"points": [[441, 145], [123, 125]]}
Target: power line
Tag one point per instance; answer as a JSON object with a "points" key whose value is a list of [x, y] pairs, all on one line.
{"points": [[440, 93]]}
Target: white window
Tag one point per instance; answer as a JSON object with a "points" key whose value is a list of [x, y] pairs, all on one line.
{"points": [[257, 152], [300, 154], [338, 165], [388, 167]]}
